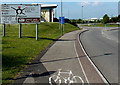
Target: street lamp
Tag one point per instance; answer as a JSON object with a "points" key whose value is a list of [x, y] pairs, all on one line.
{"points": [[82, 12], [61, 9]]}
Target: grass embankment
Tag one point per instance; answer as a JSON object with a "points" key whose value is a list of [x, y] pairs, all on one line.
{"points": [[100, 25], [0, 55], [16, 52]]}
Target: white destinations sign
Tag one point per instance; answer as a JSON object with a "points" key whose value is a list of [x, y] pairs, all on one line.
{"points": [[20, 13]]}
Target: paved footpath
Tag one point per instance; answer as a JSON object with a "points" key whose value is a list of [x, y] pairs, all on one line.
{"points": [[65, 54]]}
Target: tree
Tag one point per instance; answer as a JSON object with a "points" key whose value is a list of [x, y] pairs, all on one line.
{"points": [[118, 18], [67, 20], [114, 19], [105, 19], [55, 20]]}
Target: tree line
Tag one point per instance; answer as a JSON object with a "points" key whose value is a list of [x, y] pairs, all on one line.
{"points": [[106, 19]]}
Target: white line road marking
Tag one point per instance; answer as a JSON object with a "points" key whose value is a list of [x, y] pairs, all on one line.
{"points": [[80, 64], [29, 80], [108, 36], [93, 63]]}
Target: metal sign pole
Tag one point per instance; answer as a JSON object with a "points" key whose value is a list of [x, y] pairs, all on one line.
{"points": [[59, 26], [20, 29], [61, 17], [4, 30], [62, 28], [105, 27], [36, 31]]}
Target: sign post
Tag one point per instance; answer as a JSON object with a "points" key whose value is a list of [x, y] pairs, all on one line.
{"points": [[105, 27], [20, 13], [36, 31], [20, 29], [4, 30]]}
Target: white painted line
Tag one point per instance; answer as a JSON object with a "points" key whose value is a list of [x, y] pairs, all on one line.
{"points": [[81, 64], [105, 81], [108, 36], [29, 80]]}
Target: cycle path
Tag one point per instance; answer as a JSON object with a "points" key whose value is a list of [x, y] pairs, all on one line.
{"points": [[62, 55], [65, 54]]}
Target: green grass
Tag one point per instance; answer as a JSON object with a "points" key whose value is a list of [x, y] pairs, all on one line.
{"points": [[0, 54], [16, 52], [101, 25]]}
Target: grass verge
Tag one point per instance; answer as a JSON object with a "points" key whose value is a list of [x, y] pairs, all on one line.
{"points": [[16, 52]]}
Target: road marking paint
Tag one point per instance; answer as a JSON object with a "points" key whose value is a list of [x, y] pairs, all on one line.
{"points": [[108, 37], [67, 80], [103, 78], [81, 64], [29, 80]]}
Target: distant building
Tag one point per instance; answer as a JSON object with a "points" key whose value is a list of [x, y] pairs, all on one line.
{"points": [[47, 12], [94, 19], [101, 18]]}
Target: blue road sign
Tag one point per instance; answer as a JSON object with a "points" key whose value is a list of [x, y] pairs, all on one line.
{"points": [[61, 20]]}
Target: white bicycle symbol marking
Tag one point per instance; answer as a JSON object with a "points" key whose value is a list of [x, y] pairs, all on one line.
{"points": [[66, 80]]}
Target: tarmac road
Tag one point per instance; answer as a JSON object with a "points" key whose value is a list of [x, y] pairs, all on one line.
{"points": [[102, 48]]}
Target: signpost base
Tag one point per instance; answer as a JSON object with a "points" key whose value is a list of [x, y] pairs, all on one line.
{"points": [[20, 29], [3, 30], [36, 31]]}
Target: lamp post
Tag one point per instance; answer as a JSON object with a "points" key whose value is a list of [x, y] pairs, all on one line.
{"points": [[61, 9], [82, 12]]}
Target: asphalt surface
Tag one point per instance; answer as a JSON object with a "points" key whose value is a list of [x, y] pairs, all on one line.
{"points": [[111, 34], [61, 55], [65, 54], [102, 47]]}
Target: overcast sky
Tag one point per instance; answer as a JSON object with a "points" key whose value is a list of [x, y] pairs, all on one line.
{"points": [[73, 8]]}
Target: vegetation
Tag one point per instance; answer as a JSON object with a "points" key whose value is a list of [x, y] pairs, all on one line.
{"points": [[16, 52], [0, 55], [77, 21], [115, 19], [100, 25], [105, 19]]}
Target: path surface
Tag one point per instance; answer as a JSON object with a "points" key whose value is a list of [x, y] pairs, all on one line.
{"points": [[65, 54]]}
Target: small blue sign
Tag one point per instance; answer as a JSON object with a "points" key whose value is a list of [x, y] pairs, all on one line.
{"points": [[61, 20]]}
